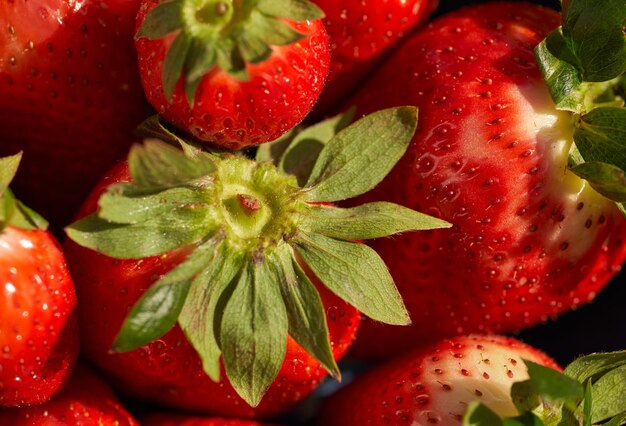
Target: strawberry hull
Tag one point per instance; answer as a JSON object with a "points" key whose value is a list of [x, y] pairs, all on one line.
{"points": [[530, 240]]}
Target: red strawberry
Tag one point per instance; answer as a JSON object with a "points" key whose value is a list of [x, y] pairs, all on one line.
{"points": [[207, 258], [70, 95], [435, 384], [85, 401], [38, 327], [361, 34], [170, 419], [247, 76], [530, 238]]}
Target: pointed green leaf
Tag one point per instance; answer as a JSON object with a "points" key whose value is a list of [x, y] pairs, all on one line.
{"points": [[174, 61], [478, 414], [159, 234], [600, 135], [253, 48], [295, 10], [273, 151], [199, 317], [162, 20], [527, 419], [524, 396], [305, 311], [8, 169], [362, 154], [253, 334], [372, 220], [607, 179], [618, 420], [13, 212], [157, 310], [201, 58], [554, 386], [587, 404], [609, 395], [157, 165], [595, 365], [154, 128], [356, 274], [230, 60]]}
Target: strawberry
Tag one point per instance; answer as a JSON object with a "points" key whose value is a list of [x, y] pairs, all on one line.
{"points": [[361, 34], [84, 401], [478, 380], [530, 238], [171, 419], [38, 325], [70, 95], [196, 268], [230, 73]]}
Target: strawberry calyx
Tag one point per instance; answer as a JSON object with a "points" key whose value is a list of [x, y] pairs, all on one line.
{"points": [[584, 65], [590, 391], [221, 33], [250, 231], [12, 211]]}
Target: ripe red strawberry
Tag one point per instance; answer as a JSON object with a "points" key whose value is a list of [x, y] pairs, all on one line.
{"points": [[206, 267], [170, 419], [361, 34], [248, 76], [530, 238], [70, 95], [84, 401], [435, 384], [38, 326]]}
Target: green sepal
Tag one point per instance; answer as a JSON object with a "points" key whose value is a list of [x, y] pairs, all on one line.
{"points": [[305, 311], [587, 404], [478, 414], [200, 317], [253, 332], [256, 39], [162, 20], [356, 274], [296, 10], [609, 395], [230, 59], [158, 308], [356, 160], [367, 221], [174, 63], [8, 169], [593, 366], [618, 420], [554, 386], [600, 135], [606, 179]]}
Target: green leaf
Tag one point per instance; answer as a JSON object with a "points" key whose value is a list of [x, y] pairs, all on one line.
{"points": [[174, 62], [373, 220], [607, 179], [8, 169], [618, 420], [159, 234], [361, 155], [13, 212], [478, 414], [594, 31], [356, 274], [273, 151], [587, 404], [162, 20], [230, 60], [158, 308], [600, 135], [253, 334], [524, 396], [609, 395], [595, 365], [305, 311], [200, 318], [295, 10], [554, 386], [156, 165], [526, 419]]}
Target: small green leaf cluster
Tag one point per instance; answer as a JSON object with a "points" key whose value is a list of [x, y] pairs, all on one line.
{"points": [[224, 33], [251, 230], [591, 391], [584, 64]]}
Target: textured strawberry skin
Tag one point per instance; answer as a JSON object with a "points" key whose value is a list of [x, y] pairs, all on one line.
{"points": [[435, 384], [38, 324], [70, 96], [234, 114], [529, 240], [169, 370], [85, 400], [361, 34]]}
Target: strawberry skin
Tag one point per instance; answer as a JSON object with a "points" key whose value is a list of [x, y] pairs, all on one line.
{"points": [[86, 400], [231, 113], [361, 33], [168, 370], [435, 384], [530, 240], [70, 96], [38, 324]]}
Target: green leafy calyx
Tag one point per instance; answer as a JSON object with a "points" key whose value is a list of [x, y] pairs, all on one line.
{"points": [[221, 33], [250, 230]]}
